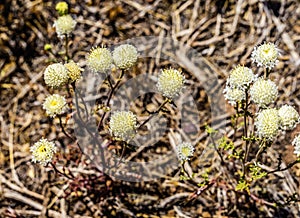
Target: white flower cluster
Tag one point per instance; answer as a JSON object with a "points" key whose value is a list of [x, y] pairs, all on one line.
{"points": [[234, 95], [240, 77], [42, 151], [239, 80], [55, 105], [263, 92], [125, 56], [184, 151], [170, 82], [289, 117], [56, 75], [122, 125], [99, 60], [267, 123], [64, 25], [265, 55]]}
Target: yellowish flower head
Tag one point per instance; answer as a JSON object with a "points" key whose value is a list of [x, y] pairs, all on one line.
{"points": [[56, 75], [64, 25], [125, 56], [267, 124], [265, 55], [170, 82], [99, 60], [296, 143], [122, 125], [62, 8], [184, 151], [43, 151], [47, 47], [240, 77], [234, 95], [289, 117], [263, 92], [74, 71], [55, 105]]}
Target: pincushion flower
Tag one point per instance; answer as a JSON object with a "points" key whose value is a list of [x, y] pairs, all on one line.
{"points": [[42, 151], [296, 143], [170, 82], [74, 71], [184, 151], [125, 56], [265, 55], [289, 117], [240, 77], [56, 75], [267, 123], [234, 95], [263, 92], [99, 60], [122, 125], [55, 105], [64, 25]]}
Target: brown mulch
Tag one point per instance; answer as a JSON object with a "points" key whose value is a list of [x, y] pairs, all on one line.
{"points": [[224, 33]]}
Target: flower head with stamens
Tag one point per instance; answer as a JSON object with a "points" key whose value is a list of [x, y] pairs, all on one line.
{"points": [[74, 71], [64, 25], [56, 75], [240, 77], [170, 82], [99, 59], [184, 151], [263, 92], [234, 95], [122, 125], [296, 143], [267, 123], [265, 55], [43, 151], [289, 117], [55, 105], [125, 56]]}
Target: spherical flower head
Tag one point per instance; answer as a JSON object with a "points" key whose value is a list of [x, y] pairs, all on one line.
{"points": [[234, 95], [99, 60], [184, 151], [74, 71], [267, 123], [289, 117], [43, 151], [125, 56], [64, 25], [265, 55], [55, 105], [241, 77], [170, 82], [56, 75], [296, 143], [122, 125], [263, 92], [62, 8]]}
